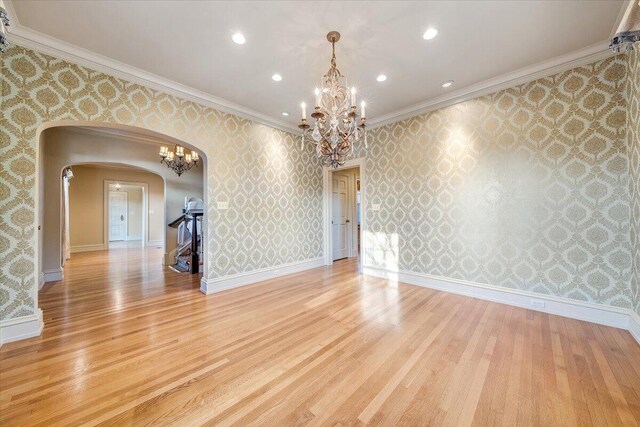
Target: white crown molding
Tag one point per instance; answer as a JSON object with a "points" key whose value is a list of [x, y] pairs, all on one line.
{"points": [[219, 284], [590, 54], [21, 328], [616, 317], [31, 39], [34, 40]]}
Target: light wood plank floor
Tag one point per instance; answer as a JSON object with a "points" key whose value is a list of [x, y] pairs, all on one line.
{"points": [[127, 342]]}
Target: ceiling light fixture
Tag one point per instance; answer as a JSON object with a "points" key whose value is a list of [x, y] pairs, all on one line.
{"points": [[178, 160], [284, 113], [430, 34], [381, 78], [336, 128], [447, 83], [276, 77], [238, 38]]}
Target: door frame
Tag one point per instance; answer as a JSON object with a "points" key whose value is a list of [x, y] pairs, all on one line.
{"points": [[349, 215], [326, 207], [145, 211]]}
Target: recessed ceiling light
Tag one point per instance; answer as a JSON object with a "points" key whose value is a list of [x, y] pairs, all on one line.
{"points": [[447, 83], [430, 34], [381, 78], [238, 38], [284, 113], [276, 77]]}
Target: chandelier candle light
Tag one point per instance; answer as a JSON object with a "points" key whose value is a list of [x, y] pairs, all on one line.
{"points": [[336, 128], [178, 160]]}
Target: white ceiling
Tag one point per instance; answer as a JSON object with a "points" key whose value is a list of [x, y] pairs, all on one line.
{"points": [[190, 43]]}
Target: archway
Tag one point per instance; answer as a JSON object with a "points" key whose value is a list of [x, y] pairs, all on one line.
{"points": [[141, 152]]}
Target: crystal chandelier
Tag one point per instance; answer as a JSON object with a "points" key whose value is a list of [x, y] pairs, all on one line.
{"points": [[336, 128], [178, 160]]}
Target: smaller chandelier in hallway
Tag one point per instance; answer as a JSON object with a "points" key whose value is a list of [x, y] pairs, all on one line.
{"points": [[178, 160], [336, 128]]}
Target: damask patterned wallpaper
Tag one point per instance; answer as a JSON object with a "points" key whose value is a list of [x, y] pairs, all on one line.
{"points": [[633, 99], [527, 188], [273, 189]]}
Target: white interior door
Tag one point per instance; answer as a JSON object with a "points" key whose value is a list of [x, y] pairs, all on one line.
{"points": [[117, 216], [340, 216]]}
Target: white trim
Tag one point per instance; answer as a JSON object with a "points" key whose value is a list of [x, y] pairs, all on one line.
{"points": [[21, 328], [40, 281], [219, 284], [88, 248], [326, 204], [159, 242], [634, 325], [31, 39], [35, 40], [596, 313], [53, 275], [587, 55]]}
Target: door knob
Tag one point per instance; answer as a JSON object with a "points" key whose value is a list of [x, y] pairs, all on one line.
{"points": [[348, 221], [121, 217]]}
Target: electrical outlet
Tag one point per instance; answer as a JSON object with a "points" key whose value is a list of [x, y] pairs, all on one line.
{"points": [[537, 303], [223, 205], [375, 207]]}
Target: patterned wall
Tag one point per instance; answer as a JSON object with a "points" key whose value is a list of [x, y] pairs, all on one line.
{"points": [[633, 109], [526, 188], [243, 157]]}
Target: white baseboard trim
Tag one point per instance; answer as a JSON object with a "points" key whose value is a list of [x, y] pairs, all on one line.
{"points": [[219, 284], [634, 325], [88, 248], [21, 328], [53, 275], [596, 313], [154, 243]]}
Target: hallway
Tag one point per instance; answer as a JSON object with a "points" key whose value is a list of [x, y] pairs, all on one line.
{"points": [[129, 342]]}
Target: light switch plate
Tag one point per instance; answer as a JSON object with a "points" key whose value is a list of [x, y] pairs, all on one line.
{"points": [[223, 205], [375, 207]]}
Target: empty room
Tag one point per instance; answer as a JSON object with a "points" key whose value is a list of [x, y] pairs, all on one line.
{"points": [[322, 213]]}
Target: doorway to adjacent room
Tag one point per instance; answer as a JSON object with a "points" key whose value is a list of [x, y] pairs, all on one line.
{"points": [[126, 213], [344, 219]]}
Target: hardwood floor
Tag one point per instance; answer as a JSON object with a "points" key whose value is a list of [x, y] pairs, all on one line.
{"points": [[127, 342]]}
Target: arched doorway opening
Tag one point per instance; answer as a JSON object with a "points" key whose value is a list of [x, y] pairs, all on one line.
{"points": [[72, 143]]}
